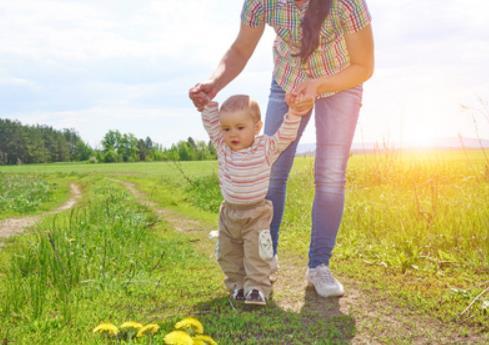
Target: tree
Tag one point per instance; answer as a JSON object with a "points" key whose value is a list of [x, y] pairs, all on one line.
{"points": [[82, 151], [191, 143], [39, 144], [42, 144], [111, 140], [110, 146], [142, 150], [149, 143], [111, 156]]}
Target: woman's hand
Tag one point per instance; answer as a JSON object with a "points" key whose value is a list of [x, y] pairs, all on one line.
{"points": [[306, 89], [202, 93], [299, 105]]}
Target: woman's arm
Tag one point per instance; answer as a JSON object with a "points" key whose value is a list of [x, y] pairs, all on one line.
{"points": [[360, 47], [237, 56], [230, 66]]}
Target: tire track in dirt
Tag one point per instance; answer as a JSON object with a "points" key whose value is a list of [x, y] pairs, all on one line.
{"points": [[13, 226], [376, 319], [173, 218]]}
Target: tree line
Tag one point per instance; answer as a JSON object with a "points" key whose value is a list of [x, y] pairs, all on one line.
{"points": [[23, 144]]}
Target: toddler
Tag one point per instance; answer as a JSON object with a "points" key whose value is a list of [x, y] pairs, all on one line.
{"points": [[244, 249]]}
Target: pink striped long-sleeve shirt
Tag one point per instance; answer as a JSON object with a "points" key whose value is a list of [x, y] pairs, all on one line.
{"points": [[244, 175]]}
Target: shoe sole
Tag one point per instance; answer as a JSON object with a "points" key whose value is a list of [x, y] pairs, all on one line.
{"points": [[255, 303], [310, 284]]}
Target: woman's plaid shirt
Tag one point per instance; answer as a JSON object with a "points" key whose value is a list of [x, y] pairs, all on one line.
{"points": [[284, 16]]}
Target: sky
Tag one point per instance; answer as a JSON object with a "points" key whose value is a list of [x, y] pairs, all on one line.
{"points": [[127, 65]]}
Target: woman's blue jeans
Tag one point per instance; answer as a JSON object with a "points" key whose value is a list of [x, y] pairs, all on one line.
{"points": [[336, 118]]}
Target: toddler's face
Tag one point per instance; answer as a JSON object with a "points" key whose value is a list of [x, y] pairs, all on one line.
{"points": [[239, 129]]}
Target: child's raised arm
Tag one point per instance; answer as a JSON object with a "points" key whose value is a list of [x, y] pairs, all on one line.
{"points": [[210, 119], [287, 131]]}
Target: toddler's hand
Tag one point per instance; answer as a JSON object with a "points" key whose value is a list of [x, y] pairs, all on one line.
{"points": [[212, 104], [202, 93], [299, 105]]}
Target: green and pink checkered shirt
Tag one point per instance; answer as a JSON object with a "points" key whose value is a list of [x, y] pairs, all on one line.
{"points": [[331, 56]]}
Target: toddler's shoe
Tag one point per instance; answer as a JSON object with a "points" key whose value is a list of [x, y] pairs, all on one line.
{"points": [[238, 294], [255, 297]]}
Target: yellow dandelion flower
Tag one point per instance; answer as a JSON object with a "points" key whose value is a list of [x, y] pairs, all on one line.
{"points": [[178, 338], [106, 328], [131, 326], [203, 340], [191, 323], [151, 328]]}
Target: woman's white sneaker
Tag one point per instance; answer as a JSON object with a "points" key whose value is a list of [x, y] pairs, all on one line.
{"points": [[323, 281]]}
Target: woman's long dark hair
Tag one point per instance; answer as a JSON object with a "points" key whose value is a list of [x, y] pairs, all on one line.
{"points": [[315, 14]]}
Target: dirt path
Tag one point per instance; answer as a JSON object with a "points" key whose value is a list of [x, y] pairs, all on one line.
{"points": [[375, 318], [13, 226], [176, 220]]}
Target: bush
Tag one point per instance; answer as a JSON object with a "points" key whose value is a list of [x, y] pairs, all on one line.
{"points": [[204, 192]]}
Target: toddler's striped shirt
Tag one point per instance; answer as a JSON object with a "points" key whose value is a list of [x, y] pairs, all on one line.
{"points": [[244, 175]]}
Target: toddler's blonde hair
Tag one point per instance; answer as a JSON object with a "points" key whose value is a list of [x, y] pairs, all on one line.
{"points": [[242, 102]]}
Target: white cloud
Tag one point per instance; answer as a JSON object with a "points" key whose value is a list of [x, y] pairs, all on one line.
{"points": [[87, 30], [13, 82]]}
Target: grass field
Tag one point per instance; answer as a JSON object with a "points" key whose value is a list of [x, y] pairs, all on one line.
{"points": [[30, 193], [415, 228]]}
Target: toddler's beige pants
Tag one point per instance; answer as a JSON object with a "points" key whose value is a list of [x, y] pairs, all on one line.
{"points": [[244, 249]]}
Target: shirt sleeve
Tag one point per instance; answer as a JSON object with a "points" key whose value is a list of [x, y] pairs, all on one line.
{"points": [[355, 15], [210, 119], [285, 135], [252, 14]]}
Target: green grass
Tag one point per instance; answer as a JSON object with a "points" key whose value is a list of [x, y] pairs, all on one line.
{"points": [[108, 261], [101, 262], [415, 228], [167, 170], [22, 194], [416, 225]]}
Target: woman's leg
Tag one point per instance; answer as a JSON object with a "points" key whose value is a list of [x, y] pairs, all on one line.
{"points": [[336, 119], [280, 171]]}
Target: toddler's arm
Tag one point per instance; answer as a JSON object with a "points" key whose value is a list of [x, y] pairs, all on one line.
{"points": [[287, 131], [210, 119]]}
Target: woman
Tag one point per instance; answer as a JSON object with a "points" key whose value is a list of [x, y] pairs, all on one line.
{"points": [[323, 49]]}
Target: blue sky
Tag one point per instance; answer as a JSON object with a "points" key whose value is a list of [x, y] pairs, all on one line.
{"points": [[127, 65]]}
